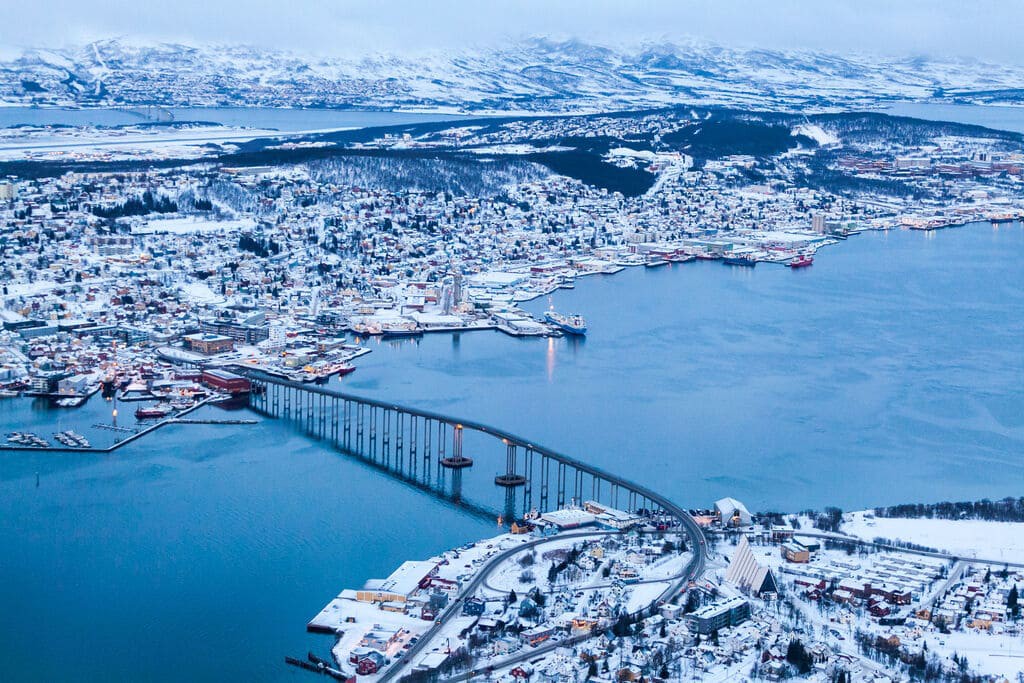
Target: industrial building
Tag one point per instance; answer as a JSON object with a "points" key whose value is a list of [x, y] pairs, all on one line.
{"points": [[400, 586]]}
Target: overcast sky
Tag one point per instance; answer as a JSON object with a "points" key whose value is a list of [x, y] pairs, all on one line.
{"points": [[984, 29]]}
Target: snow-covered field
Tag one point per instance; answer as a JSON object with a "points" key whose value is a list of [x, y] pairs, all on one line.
{"points": [[998, 541], [183, 226]]}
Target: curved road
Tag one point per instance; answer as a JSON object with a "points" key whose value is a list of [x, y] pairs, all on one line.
{"points": [[694, 568]]}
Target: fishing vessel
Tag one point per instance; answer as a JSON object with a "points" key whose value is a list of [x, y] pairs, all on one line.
{"points": [[570, 324], [801, 261]]}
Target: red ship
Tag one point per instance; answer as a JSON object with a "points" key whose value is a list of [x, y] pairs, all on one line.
{"points": [[801, 261], [345, 369], [150, 413]]}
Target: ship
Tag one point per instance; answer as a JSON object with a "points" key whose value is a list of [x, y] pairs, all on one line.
{"points": [[570, 324], [801, 261], [344, 369], [400, 330], [747, 261], [157, 411]]}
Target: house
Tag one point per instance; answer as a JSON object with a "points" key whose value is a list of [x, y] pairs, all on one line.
{"points": [[794, 552], [537, 635], [473, 607], [370, 663]]}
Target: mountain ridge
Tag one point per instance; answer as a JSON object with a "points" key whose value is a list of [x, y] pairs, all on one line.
{"points": [[531, 75]]}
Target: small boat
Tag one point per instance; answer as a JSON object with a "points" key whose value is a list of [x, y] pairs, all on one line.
{"points": [[570, 324], [654, 262], [345, 369], [801, 261], [746, 261]]}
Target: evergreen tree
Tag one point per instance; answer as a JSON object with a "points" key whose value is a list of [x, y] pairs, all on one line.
{"points": [[1012, 602]]}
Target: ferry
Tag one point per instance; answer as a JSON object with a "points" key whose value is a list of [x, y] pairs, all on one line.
{"points": [[570, 324], [801, 261], [747, 261]]}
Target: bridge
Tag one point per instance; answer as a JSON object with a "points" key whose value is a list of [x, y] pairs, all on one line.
{"points": [[443, 453], [432, 451]]}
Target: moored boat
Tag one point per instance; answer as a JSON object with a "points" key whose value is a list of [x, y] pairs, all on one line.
{"points": [[747, 261], [801, 261], [152, 412]]}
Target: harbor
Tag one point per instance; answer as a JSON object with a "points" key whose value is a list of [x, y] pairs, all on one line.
{"points": [[233, 498]]}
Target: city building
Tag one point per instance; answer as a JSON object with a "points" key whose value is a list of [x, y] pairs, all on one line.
{"points": [[719, 615]]}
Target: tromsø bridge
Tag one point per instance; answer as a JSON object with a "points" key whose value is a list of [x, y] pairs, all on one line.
{"points": [[458, 460]]}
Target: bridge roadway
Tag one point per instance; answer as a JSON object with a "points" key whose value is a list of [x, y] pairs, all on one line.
{"points": [[697, 545], [693, 530]]}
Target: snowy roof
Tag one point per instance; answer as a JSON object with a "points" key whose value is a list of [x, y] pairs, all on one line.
{"points": [[405, 579]]}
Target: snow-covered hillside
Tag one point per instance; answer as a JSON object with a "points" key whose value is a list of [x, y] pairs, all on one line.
{"points": [[531, 75]]}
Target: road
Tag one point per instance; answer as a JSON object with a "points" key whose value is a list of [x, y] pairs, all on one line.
{"points": [[455, 606], [694, 568], [925, 553]]}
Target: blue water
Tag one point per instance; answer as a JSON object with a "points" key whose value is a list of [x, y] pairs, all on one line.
{"points": [[197, 554], [891, 370], [253, 117], [998, 117]]}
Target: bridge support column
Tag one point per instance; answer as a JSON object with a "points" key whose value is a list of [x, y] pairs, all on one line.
{"points": [[528, 488], [335, 419], [510, 478], [544, 472], [560, 501], [399, 438], [457, 461]]}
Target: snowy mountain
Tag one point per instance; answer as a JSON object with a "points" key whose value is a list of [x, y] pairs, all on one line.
{"points": [[532, 75]]}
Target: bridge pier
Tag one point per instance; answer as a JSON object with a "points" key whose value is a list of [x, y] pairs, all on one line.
{"points": [[510, 478], [457, 461], [545, 463]]}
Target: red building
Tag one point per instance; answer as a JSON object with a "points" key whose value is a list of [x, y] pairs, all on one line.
{"points": [[226, 381]]}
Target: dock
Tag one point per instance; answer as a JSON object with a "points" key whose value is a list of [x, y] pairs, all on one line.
{"points": [[133, 434]]}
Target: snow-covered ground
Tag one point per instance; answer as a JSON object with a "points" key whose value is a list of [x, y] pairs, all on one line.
{"points": [[182, 226], [997, 541]]}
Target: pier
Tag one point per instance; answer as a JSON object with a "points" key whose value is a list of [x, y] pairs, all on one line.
{"points": [[132, 433]]}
